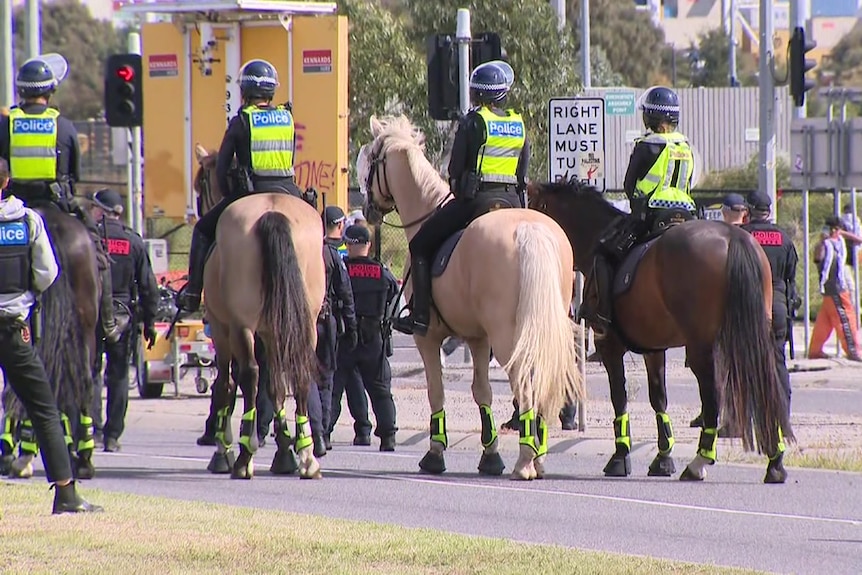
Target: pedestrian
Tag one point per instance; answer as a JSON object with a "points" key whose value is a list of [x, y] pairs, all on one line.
{"points": [[837, 311], [135, 287], [333, 227], [26, 247], [734, 209], [374, 289]]}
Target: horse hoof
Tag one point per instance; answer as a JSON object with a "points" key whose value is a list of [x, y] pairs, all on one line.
{"points": [[242, 471], [20, 471], [221, 463], [312, 471], [775, 473], [539, 464], [85, 469], [284, 463], [662, 466], [6, 464], [433, 463], [618, 466], [689, 475], [526, 473], [490, 464]]}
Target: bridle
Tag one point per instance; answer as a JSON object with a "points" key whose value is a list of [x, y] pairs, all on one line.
{"points": [[377, 173]]}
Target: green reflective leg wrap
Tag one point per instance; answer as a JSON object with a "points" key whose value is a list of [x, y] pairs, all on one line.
{"points": [[622, 432], [303, 437], [87, 441], [779, 451], [489, 429], [542, 426], [27, 434], [438, 428], [281, 421], [527, 430], [67, 430], [665, 433], [221, 422], [7, 441], [247, 428], [706, 445]]}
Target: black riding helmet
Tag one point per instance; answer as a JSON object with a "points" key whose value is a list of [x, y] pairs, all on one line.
{"points": [[490, 83], [659, 104], [258, 79], [35, 78]]}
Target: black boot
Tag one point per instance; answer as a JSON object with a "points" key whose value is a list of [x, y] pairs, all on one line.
{"points": [[417, 322], [319, 445], [595, 308], [67, 500], [189, 298], [106, 309]]}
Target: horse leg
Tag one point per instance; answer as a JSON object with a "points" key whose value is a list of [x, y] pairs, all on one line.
{"points": [[433, 461], [309, 467], [7, 443], [242, 344], [662, 465], [703, 366], [490, 463], [84, 468], [22, 467], [223, 399], [612, 351]]}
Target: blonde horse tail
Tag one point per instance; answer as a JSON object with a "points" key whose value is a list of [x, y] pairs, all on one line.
{"points": [[290, 354], [544, 351]]}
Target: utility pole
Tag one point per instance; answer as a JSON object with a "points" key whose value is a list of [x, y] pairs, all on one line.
{"points": [[585, 44], [7, 46], [34, 29], [767, 104], [731, 33]]}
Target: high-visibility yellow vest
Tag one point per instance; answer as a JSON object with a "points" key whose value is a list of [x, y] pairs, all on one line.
{"points": [[667, 184], [505, 137], [33, 145], [272, 136]]}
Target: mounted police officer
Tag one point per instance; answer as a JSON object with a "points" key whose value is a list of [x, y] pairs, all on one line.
{"points": [[27, 268], [261, 138], [658, 179], [374, 288], [42, 150], [487, 170], [135, 286]]}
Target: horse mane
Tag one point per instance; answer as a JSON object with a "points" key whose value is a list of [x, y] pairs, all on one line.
{"points": [[398, 134], [581, 191]]}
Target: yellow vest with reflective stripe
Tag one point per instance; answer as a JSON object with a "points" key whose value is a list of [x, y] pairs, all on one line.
{"points": [[667, 183], [272, 134], [33, 145], [504, 139]]}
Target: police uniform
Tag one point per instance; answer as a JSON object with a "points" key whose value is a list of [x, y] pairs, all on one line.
{"points": [[783, 258], [374, 288], [28, 267], [261, 138], [41, 149], [134, 286], [332, 216], [487, 170]]}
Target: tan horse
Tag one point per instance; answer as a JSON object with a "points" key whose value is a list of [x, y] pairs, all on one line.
{"points": [[265, 276], [507, 286]]}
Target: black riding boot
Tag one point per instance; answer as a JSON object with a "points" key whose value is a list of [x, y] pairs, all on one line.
{"points": [[417, 321], [189, 298], [106, 308], [596, 307]]}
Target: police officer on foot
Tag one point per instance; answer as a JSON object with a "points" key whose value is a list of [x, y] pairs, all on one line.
{"points": [[27, 268], [658, 178], [261, 137], [374, 288], [134, 284], [333, 222], [41, 148], [487, 171]]}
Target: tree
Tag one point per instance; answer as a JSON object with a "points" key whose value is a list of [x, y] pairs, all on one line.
{"points": [[630, 40], [706, 62], [70, 30]]}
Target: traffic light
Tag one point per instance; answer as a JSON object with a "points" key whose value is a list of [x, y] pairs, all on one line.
{"points": [[124, 103], [800, 65], [485, 48]]}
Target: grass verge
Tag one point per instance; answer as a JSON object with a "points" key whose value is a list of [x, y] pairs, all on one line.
{"points": [[809, 458], [156, 535]]}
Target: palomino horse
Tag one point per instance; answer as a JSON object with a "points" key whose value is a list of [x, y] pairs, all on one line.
{"points": [[70, 311], [704, 285], [507, 285], [266, 276]]}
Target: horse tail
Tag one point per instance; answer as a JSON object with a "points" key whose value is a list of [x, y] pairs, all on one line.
{"points": [[745, 357], [544, 351], [290, 353]]}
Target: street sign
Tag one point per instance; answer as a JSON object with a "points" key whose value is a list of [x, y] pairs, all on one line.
{"points": [[620, 102], [824, 154], [577, 140]]}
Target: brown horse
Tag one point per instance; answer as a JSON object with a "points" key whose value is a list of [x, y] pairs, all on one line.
{"points": [[67, 347], [703, 285], [507, 285], [265, 276]]}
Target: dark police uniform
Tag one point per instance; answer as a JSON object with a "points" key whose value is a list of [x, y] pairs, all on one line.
{"points": [[134, 285], [783, 258], [27, 267], [374, 287]]}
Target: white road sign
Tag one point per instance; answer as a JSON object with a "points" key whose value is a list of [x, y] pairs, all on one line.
{"points": [[577, 140]]}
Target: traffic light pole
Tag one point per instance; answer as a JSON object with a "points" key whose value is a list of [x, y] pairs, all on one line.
{"points": [[464, 37], [7, 42], [34, 33], [136, 215], [766, 181]]}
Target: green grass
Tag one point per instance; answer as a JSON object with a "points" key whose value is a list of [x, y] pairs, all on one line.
{"points": [[155, 535]]}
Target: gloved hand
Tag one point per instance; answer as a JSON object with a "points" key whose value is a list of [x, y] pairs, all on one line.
{"points": [[351, 339], [150, 335]]}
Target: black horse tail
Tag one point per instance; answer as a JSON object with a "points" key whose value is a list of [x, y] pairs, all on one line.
{"points": [[290, 352], [745, 357]]}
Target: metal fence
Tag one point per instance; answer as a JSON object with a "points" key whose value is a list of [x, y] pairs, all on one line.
{"points": [[98, 169]]}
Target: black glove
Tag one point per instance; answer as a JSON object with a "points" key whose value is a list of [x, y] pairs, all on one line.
{"points": [[351, 338], [150, 335]]}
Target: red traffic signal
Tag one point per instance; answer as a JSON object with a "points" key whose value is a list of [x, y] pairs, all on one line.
{"points": [[126, 73]]}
